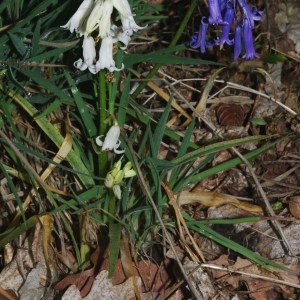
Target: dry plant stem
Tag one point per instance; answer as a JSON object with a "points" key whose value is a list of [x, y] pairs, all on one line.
{"points": [[251, 275], [246, 89], [266, 201], [165, 231], [181, 223], [282, 176], [270, 182], [254, 106], [228, 85]]}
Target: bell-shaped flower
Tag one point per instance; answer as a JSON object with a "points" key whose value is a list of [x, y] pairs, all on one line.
{"points": [[89, 55], [237, 41], [228, 20], [78, 18], [250, 15], [111, 141], [122, 7], [129, 27], [199, 40], [222, 5], [106, 60], [248, 41], [215, 16], [100, 18]]}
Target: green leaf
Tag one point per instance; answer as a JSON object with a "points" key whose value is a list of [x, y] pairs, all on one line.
{"points": [[274, 58], [220, 239], [227, 164], [160, 130], [258, 121], [114, 246], [84, 112], [18, 43]]}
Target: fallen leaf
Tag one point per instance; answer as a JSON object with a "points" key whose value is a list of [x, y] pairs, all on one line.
{"points": [[214, 199]]}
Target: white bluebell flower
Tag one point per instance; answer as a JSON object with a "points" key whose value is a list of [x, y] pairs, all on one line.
{"points": [[100, 18], [111, 141], [106, 60], [76, 21], [89, 55], [94, 18]]}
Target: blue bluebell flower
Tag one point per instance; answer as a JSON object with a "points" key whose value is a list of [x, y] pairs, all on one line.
{"points": [[215, 16], [229, 14], [237, 41], [222, 5], [228, 20], [251, 14], [248, 41], [199, 40]]}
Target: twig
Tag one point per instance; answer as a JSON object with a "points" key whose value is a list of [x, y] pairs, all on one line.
{"points": [[251, 275]]}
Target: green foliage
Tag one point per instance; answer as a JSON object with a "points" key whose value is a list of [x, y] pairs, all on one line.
{"points": [[43, 100]]}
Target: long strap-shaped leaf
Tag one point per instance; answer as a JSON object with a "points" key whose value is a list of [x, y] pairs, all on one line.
{"points": [[54, 135]]}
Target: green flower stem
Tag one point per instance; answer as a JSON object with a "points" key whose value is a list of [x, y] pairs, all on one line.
{"points": [[172, 44], [102, 156]]}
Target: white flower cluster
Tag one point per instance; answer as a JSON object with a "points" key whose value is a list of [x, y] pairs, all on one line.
{"points": [[95, 16]]}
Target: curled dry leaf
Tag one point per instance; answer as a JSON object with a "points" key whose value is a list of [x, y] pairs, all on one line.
{"points": [[210, 199]]}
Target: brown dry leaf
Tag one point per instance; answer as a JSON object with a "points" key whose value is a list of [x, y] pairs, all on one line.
{"points": [[47, 224], [28, 273], [214, 199], [258, 288], [294, 206], [83, 280], [154, 277], [102, 288], [270, 246]]}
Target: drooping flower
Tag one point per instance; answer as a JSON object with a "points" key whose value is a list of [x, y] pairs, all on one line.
{"points": [[228, 20], [251, 15], [94, 17], [129, 27], [78, 18], [215, 16], [199, 40], [111, 141], [222, 6], [106, 60], [228, 15], [89, 55], [248, 41], [237, 41], [100, 18]]}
